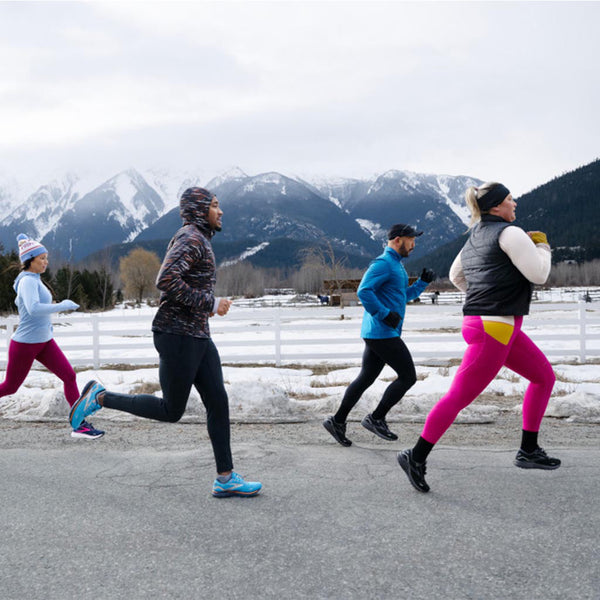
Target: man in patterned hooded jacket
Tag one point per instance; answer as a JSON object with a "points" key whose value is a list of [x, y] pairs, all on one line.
{"points": [[187, 353]]}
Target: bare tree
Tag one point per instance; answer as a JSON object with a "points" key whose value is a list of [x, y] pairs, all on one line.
{"points": [[575, 274], [106, 275], [138, 272], [240, 279], [323, 260]]}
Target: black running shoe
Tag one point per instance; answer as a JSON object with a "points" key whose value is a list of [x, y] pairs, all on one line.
{"points": [[379, 428], [537, 459], [337, 430], [414, 471]]}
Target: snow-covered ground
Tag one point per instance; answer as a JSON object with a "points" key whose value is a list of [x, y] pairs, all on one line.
{"points": [[313, 387]]}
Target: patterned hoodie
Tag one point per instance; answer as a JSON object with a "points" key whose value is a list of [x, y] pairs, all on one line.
{"points": [[187, 275]]}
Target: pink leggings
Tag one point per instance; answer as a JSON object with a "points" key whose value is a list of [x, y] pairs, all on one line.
{"points": [[20, 359], [484, 357]]}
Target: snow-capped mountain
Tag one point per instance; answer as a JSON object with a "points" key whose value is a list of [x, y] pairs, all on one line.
{"points": [[344, 192], [41, 211], [347, 193], [272, 206], [74, 217], [114, 212], [432, 203], [170, 184]]}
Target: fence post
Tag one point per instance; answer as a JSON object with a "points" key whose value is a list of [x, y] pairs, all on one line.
{"points": [[95, 341], [582, 324], [11, 322], [277, 325]]}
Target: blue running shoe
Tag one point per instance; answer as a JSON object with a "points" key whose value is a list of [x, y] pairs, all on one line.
{"points": [[236, 486], [88, 431], [86, 404]]}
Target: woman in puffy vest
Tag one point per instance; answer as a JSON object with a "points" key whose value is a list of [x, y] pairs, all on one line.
{"points": [[496, 268]]}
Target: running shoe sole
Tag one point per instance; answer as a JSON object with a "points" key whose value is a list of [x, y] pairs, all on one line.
{"points": [[81, 436], [533, 465], [230, 494], [392, 437]]}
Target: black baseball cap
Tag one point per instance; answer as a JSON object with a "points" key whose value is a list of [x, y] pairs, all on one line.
{"points": [[402, 230]]}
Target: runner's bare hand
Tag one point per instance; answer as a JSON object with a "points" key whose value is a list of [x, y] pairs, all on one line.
{"points": [[223, 307]]}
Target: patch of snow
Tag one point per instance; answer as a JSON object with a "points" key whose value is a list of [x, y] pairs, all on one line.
{"points": [[375, 230], [247, 253]]}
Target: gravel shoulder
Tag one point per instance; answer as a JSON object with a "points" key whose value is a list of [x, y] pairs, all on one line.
{"points": [[503, 433]]}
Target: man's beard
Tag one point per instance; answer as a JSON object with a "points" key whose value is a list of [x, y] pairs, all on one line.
{"points": [[403, 251]]}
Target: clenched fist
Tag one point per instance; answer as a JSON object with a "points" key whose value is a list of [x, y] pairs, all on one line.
{"points": [[223, 307]]}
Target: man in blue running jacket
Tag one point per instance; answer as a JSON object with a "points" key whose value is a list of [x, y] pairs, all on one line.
{"points": [[384, 292]]}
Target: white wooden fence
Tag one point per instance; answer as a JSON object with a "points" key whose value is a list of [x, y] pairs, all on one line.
{"points": [[278, 336]]}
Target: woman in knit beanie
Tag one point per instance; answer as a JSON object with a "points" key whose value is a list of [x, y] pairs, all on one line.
{"points": [[33, 339]]}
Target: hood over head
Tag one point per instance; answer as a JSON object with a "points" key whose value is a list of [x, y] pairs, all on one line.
{"points": [[193, 208]]}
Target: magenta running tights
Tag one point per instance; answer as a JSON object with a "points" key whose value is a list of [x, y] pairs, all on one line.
{"points": [[20, 359], [484, 357]]}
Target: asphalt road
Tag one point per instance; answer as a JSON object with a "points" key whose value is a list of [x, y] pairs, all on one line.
{"points": [[135, 519]]}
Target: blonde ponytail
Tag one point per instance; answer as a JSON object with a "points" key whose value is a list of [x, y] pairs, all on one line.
{"points": [[472, 195], [471, 200]]}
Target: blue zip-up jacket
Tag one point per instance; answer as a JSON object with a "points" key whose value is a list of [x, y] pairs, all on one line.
{"points": [[34, 302], [384, 288]]}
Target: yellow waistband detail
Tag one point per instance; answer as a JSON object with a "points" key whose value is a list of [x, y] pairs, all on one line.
{"points": [[501, 332]]}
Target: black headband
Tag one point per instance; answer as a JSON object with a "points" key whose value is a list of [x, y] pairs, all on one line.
{"points": [[493, 197]]}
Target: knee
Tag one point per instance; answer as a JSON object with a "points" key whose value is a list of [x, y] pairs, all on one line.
{"points": [[174, 416], [547, 377], [550, 378], [407, 380]]}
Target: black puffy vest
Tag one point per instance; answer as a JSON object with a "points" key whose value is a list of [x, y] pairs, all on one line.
{"points": [[494, 285]]}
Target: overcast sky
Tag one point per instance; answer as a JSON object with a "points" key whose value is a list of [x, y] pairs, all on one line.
{"points": [[501, 91]]}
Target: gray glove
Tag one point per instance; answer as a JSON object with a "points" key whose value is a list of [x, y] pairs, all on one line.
{"points": [[68, 305]]}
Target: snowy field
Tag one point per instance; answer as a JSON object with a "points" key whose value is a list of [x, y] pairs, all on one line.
{"points": [[326, 349]]}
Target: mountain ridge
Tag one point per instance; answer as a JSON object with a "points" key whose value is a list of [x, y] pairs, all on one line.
{"points": [[352, 214]]}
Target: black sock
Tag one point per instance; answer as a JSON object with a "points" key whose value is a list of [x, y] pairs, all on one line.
{"points": [[421, 450], [529, 441], [375, 416]]}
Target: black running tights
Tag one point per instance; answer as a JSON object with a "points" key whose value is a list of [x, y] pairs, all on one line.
{"points": [[185, 361], [378, 353]]}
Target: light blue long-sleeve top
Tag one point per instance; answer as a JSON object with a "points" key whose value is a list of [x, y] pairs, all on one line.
{"points": [[384, 288], [34, 302]]}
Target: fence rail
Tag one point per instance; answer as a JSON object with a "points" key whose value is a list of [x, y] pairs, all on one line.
{"points": [[278, 337]]}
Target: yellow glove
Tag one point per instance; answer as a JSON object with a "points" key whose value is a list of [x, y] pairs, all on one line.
{"points": [[538, 237]]}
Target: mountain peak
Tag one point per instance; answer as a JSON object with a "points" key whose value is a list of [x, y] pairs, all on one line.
{"points": [[232, 174]]}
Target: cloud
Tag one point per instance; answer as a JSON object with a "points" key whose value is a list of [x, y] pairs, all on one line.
{"points": [[461, 88]]}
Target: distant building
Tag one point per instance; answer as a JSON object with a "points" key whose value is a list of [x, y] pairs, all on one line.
{"points": [[344, 290]]}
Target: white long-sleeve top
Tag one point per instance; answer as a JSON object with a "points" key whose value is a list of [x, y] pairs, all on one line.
{"points": [[533, 261]]}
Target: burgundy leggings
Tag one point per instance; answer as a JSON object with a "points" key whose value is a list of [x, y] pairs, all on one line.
{"points": [[484, 357], [20, 359]]}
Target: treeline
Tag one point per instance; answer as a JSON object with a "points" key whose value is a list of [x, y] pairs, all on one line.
{"points": [[575, 274], [566, 209], [318, 264], [91, 289], [100, 288]]}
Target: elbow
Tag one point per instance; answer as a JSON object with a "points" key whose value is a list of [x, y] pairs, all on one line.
{"points": [[539, 280]]}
